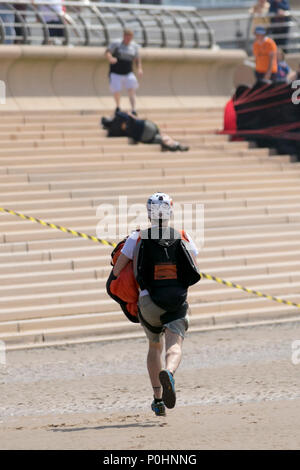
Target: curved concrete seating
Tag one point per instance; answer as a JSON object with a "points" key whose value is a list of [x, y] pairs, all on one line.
{"points": [[63, 78]]}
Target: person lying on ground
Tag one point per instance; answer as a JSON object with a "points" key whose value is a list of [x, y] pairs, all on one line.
{"points": [[139, 130]]}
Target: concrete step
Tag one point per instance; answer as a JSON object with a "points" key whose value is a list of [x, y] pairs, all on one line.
{"points": [[40, 325], [41, 207], [8, 304], [60, 275], [96, 220], [55, 336], [38, 232], [208, 291], [222, 244], [250, 304], [229, 273], [207, 182], [114, 166], [69, 325], [60, 169], [200, 196], [106, 310], [170, 184], [227, 168], [209, 178], [63, 272], [11, 155], [208, 173], [98, 141], [86, 211], [124, 330], [187, 127], [99, 134], [96, 162], [92, 112], [19, 285], [45, 309], [47, 191], [51, 253], [55, 249], [208, 264], [211, 212], [63, 119]]}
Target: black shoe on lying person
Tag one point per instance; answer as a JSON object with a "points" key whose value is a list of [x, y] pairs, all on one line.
{"points": [[174, 148], [183, 148]]}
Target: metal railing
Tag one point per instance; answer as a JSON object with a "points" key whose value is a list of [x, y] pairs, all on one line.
{"points": [[237, 30], [217, 4], [89, 23], [92, 23]]}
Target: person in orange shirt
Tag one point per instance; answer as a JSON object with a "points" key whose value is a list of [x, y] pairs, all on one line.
{"points": [[265, 53]]}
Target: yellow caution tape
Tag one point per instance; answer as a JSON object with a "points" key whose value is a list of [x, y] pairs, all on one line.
{"points": [[58, 227], [250, 291], [105, 242]]}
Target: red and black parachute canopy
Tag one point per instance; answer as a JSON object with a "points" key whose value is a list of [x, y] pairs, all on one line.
{"points": [[268, 114]]}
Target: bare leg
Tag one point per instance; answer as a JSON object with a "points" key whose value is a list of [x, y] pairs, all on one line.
{"points": [[117, 97], [171, 144], [132, 98], [154, 364], [173, 350], [168, 140]]}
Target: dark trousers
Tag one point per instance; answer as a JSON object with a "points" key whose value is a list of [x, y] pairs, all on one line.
{"points": [[261, 76], [282, 30]]}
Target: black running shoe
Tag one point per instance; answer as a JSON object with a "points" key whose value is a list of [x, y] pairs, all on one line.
{"points": [[168, 384], [158, 408]]}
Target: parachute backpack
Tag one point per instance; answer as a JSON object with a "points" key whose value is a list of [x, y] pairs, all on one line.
{"points": [[165, 267], [163, 262], [124, 290]]}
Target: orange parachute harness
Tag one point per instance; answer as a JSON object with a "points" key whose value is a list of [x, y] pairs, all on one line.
{"points": [[124, 289]]}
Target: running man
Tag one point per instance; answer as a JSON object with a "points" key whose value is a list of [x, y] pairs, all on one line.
{"points": [[165, 266]]}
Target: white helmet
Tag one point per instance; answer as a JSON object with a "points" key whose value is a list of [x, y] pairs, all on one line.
{"points": [[159, 206]]}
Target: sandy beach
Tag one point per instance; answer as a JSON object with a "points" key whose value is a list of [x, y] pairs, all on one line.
{"points": [[236, 389]]}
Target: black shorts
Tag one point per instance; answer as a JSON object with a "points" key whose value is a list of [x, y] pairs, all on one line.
{"points": [[260, 76]]}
